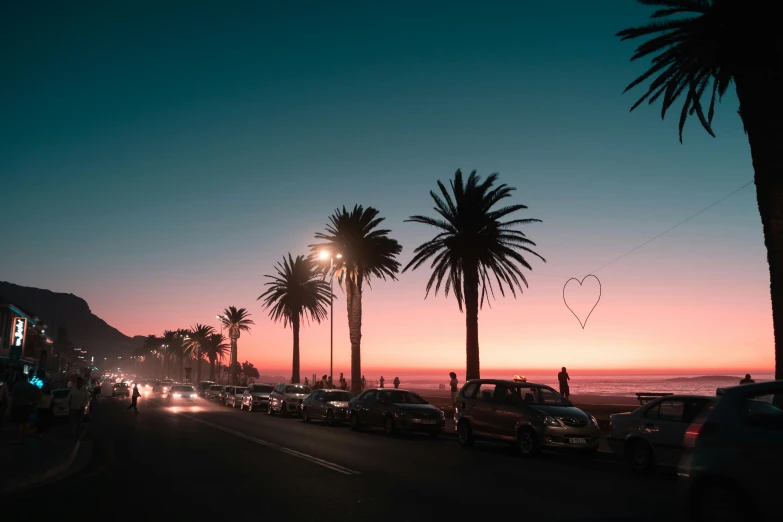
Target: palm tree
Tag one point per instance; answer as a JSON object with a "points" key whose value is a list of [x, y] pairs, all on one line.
{"points": [[216, 350], [196, 344], [152, 347], [472, 247], [297, 291], [170, 342], [179, 350], [236, 321], [366, 252], [698, 48]]}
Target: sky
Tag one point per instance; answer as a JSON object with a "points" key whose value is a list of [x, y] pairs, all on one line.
{"points": [[158, 160]]}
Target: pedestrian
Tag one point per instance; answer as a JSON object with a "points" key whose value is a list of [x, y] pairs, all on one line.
{"points": [[77, 400], [22, 398], [453, 383], [382, 381], [134, 397], [96, 391], [563, 379], [323, 382], [364, 383], [45, 412], [396, 382], [747, 379], [343, 382], [307, 382]]}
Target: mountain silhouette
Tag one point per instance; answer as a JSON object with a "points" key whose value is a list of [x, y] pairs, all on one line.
{"points": [[58, 310]]}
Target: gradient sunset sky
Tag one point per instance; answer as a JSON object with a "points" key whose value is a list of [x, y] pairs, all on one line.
{"points": [[158, 160]]}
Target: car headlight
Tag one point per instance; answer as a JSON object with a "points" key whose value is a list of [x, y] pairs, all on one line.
{"points": [[177, 395], [551, 421]]}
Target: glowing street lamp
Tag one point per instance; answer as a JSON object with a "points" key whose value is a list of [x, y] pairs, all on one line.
{"points": [[327, 255]]}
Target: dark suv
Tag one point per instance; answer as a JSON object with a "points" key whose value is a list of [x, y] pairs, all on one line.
{"points": [[528, 415]]}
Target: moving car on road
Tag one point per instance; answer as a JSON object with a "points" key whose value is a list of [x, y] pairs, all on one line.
{"points": [[395, 409], [734, 454], [181, 393], [328, 405], [286, 398], [530, 416], [214, 392], [232, 395], [653, 434], [162, 387], [256, 397], [120, 389]]}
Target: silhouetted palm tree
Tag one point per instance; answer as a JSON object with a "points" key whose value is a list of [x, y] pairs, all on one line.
{"points": [[196, 344], [473, 246], [152, 347], [217, 349], [236, 321], [179, 351], [170, 342], [297, 292], [366, 252], [698, 48]]}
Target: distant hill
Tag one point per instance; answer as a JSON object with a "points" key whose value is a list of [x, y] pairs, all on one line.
{"points": [[716, 378], [85, 329]]}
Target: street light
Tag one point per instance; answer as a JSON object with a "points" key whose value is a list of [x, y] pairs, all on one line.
{"points": [[327, 255]]}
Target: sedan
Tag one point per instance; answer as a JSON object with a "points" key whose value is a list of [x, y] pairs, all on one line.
{"points": [[653, 434], [286, 398], [256, 397], [233, 395], [181, 393], [121, 389], [328, 405], [214, 392], [395, 410]]}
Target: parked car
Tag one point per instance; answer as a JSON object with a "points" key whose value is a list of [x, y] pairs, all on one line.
{"points": [[328, 405], [395, 409], [181, 393], [653, 434], [734, 454], [59, 408], [286, 398], [214, 392], [232, 395], [203, 386], [529, 416], [256, 397], [120, 389]]}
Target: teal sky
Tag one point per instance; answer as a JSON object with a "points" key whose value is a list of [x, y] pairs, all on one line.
{"points": [[158, 159]]}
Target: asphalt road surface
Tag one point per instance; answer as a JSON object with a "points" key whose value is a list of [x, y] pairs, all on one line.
{"points": [[209, 462]]}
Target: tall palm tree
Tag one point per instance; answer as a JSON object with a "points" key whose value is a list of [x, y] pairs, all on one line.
{"points": [[152, 346], [297, 292], [196, 344], [473, 245], [170, 342], [236, 320], [367, 252], [179, 351], [698, 48], [216, 350]]}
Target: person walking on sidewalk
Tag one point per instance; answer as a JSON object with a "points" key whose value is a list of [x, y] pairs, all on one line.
{"points": [[563, 379], [453, 383], [134, 397], [77, 400]]}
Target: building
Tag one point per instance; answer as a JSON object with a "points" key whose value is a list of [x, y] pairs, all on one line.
{"points": [[24, 338]]}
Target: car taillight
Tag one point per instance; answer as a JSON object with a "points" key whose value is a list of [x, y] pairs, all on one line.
{"points": [[691, 434]]}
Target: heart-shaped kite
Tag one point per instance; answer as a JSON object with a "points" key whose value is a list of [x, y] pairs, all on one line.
{"points": [[582, 324]]}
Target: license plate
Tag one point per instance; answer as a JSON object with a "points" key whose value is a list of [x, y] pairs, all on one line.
{"points": [[427, 421], [577, 441]]}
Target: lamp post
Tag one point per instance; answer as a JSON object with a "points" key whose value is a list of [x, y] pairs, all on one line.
{"points": [[324, 255]]}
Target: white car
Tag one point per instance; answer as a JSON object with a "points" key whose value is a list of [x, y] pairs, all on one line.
{"points": [[233, 395], [181, 393], [287, 398], [653, 434]]}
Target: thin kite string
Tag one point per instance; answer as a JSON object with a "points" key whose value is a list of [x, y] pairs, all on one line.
{"points": [[705, 209]]}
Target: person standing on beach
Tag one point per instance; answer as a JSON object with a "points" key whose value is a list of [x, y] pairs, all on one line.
{"points": [[563, 379], [364, 383], [747, 379], [382, 381], [453, 383], [396, 382]]}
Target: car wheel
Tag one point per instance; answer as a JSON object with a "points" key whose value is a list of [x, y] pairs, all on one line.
{"points": [[305, 415], [354, 419], [527, 442], [388, 425], [283, 410], [717, 503], [330, 418], [465, 434], [640, 457]]}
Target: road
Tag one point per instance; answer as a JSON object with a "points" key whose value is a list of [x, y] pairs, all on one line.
{"points": [[207, 461]]}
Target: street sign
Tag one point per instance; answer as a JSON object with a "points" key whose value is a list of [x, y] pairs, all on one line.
{"points": [[19, 327]]}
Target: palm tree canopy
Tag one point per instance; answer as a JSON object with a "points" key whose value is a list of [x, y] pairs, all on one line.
{"points": [[236, 320], [216, 347], [297, 291], [197, 340], [697, 48], [472, 233], [366, 250]]}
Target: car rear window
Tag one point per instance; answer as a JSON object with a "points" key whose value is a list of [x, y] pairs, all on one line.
{"points": [[297, 389], [263, 388], [338, 396]]}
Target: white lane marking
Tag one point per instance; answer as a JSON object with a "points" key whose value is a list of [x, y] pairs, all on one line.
{"points": [[283, 449]]}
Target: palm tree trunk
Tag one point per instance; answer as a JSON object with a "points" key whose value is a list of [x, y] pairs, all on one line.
{"points": [[295, 364], [234, 376], [470, 291], [354, 303], [212, 369], [758, 90]]}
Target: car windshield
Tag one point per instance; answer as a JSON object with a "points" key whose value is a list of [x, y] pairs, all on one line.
{"points": [[338, 397], [297, 389], [535, 395], [401, 397], [182, 388], [263, 388], [240, 390]]}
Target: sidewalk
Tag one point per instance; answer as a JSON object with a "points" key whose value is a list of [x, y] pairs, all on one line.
{"points": [[40, 458]]}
